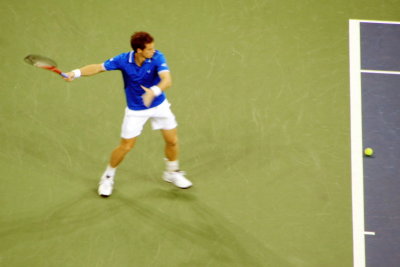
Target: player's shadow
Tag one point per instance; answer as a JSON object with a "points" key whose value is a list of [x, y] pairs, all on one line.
{"points": [[55, 219], [212, 237], [215, 238]]}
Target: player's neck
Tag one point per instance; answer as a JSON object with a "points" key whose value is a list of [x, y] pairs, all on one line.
{"points": [[139, 59]]}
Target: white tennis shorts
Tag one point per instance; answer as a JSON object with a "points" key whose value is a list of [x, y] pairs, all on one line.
{"points": [[161, 117]]}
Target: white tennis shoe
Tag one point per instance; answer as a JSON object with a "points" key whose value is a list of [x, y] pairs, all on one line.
{"points": [[106, 186], [178, 179]]}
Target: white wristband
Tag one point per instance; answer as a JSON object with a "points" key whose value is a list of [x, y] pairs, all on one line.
{"points": [[156, 90], [77, 73]]}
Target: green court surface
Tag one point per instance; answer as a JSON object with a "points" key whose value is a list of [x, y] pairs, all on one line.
{"points": [[261, 93]]}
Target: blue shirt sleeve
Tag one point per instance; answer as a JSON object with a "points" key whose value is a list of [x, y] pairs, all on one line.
{"points": [[161, 63], [113, 63]]}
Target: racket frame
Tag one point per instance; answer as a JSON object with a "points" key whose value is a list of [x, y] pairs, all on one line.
{"points": [[44, 63]]}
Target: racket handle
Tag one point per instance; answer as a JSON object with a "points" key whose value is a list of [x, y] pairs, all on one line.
{"points": [[64, 75]]}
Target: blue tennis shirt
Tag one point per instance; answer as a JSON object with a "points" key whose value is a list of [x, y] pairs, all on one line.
{"points": [[135, 76]]}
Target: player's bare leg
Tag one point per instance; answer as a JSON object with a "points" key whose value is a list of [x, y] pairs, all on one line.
{"points": [[171, 144], [118, 154], [173, 174]]}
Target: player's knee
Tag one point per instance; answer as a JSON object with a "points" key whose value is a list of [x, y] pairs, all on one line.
{"points": [[126, 147], [172, 142]]}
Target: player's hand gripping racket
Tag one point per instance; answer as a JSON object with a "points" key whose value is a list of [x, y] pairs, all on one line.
{"points": [[44, 63]]}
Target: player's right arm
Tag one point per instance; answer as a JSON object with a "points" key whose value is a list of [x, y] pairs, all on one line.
{"points": [[88, 70]]}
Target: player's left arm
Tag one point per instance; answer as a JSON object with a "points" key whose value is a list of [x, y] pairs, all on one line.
{"points": [[156, 90]]}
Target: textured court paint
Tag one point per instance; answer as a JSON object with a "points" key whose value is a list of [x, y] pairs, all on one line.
{"points": [[261, 94], [381, 128], [380, 123], [378, 41]]}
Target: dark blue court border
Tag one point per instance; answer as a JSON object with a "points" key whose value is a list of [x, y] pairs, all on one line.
{"points": [[381, 131]]}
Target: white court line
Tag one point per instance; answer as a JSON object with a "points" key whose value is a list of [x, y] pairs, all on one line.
{"points": [[369, 233], [381, 72], [357, 175], [377, 21]]}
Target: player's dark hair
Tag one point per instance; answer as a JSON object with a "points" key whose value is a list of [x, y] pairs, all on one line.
{"points": [[140, 39]]}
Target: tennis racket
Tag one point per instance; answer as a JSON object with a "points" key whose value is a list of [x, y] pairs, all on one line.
{"points": [[44, 63]]}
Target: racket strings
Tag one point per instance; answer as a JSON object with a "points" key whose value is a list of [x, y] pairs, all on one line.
{"points": [[39, 61]]}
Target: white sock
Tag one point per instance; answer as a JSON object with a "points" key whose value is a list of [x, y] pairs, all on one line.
{"points": [[172, 166], [110, 171]]}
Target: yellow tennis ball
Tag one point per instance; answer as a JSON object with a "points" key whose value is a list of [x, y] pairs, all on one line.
{"points": [[368, 151]]}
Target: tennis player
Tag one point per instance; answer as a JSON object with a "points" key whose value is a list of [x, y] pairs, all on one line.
{"points": [[146, 76]]}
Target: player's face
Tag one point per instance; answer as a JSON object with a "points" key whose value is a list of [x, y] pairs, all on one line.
{"points": [[149, 50]]}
